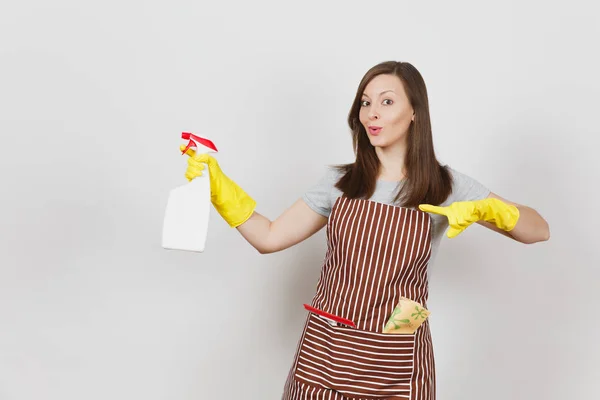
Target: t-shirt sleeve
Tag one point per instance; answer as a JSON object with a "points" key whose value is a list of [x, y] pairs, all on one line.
{"points": [[318, 197], [465, 188]]}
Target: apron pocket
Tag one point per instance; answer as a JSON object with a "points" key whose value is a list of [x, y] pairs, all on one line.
{"points": [[356, 363]]}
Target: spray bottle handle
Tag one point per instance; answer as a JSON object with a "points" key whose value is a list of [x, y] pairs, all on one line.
{"points": [[194, 140]]}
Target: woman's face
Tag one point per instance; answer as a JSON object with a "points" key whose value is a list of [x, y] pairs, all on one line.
{"points": [[385, 111]]}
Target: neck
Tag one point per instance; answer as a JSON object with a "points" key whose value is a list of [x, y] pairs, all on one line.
{"points": [[391, 161]]}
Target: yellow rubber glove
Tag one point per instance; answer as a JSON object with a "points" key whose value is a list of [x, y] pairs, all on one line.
{"points": [[461, 214], [230, 201]]}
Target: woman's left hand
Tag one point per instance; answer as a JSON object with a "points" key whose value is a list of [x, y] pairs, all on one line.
{"points": [[462, 214]]}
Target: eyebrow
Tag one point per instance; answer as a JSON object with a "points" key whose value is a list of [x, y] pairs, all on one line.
{"points": [[385, 91]]}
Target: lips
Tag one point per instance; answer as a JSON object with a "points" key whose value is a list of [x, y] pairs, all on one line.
{"points": [[374, 130]]}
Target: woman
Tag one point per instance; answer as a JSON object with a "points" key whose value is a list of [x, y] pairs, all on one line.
{"points": [[385, 215]]}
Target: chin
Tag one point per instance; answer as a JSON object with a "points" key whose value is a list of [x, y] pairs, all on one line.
{"points": [[378, 142]]}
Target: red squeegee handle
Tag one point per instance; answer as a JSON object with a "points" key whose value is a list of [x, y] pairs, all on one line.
{"points": [[330, 316]]}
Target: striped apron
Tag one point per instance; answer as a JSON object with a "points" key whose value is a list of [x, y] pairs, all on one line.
{"points": [[376, 253]]}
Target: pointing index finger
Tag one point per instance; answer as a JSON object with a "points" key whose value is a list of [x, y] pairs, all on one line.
{"points": [[433, 209]]}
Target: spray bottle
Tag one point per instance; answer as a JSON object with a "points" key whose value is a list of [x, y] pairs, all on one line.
{"points": [[185, 225]]}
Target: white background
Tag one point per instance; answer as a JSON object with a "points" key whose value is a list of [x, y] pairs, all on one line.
{"points": [[93, 98]]}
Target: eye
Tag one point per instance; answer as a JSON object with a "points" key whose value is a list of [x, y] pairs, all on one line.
{"points": [[364, 103], [390, 102]]}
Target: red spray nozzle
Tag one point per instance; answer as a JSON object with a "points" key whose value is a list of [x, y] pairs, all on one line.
{"points": [[194, 140]]}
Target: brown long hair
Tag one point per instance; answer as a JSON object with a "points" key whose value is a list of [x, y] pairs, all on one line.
{"points": [[427, 181]]}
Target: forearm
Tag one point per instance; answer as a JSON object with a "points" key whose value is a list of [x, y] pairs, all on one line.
{"points": [[530, 227], [498, 216], [256, 231], [296, 224]]}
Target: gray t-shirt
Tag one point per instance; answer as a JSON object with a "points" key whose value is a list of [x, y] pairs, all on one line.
{"points": [[323, 195]]}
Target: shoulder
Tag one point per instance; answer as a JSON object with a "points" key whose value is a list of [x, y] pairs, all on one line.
{"points": [[321, 195], [458, 177], [465, 187], [332, 173], [456, 174]]}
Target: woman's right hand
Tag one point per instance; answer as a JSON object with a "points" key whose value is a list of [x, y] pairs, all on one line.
{"points": [[230, 200], [196, 164]]}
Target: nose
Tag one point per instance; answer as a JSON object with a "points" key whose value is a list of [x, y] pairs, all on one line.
{"points": [[373, 114]]}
